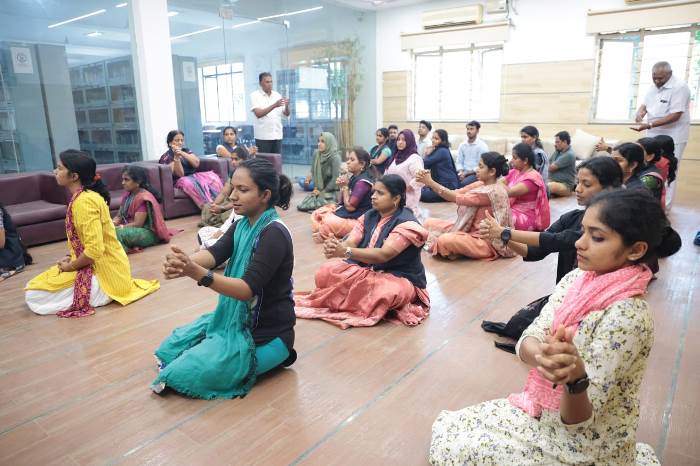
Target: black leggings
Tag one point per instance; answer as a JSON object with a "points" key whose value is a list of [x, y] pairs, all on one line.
{"points": [[269, 146]]}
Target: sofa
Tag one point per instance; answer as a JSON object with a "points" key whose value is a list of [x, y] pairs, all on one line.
{"points": [[275, 159], [37, 205], [582, 143], [175, 202], [111, 174]]}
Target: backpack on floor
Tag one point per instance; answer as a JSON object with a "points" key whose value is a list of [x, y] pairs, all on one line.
{"points": [[517, 324]]}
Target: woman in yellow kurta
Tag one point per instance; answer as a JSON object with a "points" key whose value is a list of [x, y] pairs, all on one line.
{"points": [[97, 270]]}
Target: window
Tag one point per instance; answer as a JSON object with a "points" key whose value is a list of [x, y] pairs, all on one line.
{"points": [[458, 84], [222, 93], [624, 68]]}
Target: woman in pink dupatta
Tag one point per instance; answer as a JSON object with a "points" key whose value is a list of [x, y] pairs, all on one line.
{"points": [[407, 163], [201, 187], [587, 350], [461, 238], [528, 191], [382, 275], [140, 221]]}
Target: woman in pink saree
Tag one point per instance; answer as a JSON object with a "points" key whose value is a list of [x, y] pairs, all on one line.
{"points": [[474, 202], [201, 187], [527, 191], [382, 275]]}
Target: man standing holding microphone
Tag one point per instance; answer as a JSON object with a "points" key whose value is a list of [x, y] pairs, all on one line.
{"points": [[268, 107]]}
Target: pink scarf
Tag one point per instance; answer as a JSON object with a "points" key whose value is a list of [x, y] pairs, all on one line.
{"points": [[83, 277], [541, 205], [589, 292]]}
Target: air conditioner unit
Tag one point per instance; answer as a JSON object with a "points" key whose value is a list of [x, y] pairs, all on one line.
{"points": [[472, 14]]}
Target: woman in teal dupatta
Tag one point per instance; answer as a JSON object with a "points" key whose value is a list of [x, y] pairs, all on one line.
{"points": [[325, 169], [220, 354]]}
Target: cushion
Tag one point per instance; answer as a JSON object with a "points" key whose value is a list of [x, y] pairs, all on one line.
{"points": [[30, 213], [495, 143], [180, 194], [548, 145], [583, 144], [115, 197]]}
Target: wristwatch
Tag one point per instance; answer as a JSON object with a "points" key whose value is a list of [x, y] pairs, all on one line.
{"points": [[206, 280], [348, 253], [505, 235], [578, 386]]}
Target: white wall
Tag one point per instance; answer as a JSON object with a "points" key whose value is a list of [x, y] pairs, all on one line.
{"points": [[542, 31]]}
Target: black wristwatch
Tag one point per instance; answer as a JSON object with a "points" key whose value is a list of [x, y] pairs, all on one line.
{"points": [[505, 235], [206, 280], [578, 386]]}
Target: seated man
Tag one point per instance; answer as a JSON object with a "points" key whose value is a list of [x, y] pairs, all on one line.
{"points": [[425, 143], [562, 166], [469, 153]]}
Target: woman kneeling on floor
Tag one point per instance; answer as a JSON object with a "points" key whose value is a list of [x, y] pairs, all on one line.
{"points": [[355, 199], [140, 221], [382, 273], [97, 270], [461, 238], [220, 354], [588, 351]]}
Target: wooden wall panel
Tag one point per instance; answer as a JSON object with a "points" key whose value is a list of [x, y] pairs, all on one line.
{"points": [[553, 77], [545, 108]]}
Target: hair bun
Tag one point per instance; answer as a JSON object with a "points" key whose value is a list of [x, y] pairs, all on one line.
{"points": [[670, 243]]}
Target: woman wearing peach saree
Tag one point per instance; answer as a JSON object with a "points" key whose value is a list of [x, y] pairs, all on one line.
{"points": [[461, 238], [382, 275]]}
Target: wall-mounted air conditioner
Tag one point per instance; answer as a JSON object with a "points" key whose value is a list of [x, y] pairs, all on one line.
{"points": [[464, 15]]}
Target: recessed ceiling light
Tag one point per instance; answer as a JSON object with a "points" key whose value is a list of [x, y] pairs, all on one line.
{"points": [[120, 5], [173, 13], [195, 32], [98, 12], [94, 34]]}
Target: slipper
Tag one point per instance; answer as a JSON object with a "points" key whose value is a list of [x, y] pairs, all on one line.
{"points": [[7, 274]]}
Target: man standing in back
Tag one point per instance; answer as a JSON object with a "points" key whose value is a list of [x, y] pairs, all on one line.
{"points": [[268, 106]]}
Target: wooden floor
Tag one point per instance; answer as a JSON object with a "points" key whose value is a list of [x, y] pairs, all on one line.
{"points": [[75, 391]]}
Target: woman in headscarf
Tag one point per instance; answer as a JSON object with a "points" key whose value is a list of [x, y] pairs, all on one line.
{"points": [[407, 163], [325, 169]]}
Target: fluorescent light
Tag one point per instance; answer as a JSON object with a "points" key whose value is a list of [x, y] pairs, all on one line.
{"points": [[98, 12], [94, 34], [291, 13], [120, 5], [173, 13], [235, 26], [195, 32]]}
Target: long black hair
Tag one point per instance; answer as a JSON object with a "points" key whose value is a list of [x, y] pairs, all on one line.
{"points": [[496, 161], [524, 152], [140, 177], [605, 169], [668, 149], [85, 167], [636, 215], [651, 146], [533, 133], [632, 152], [444, 138], [396, 187], [263, 174]]}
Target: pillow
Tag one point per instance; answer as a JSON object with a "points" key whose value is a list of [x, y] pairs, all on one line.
{"points": [[583, 144]]}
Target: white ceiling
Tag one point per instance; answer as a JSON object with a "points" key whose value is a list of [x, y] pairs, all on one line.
{"points": [[378, 4]]}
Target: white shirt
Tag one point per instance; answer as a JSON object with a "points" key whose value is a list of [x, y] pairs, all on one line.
{"points": [[268, 127], [424, 143], [469, 153], [673, 97]]}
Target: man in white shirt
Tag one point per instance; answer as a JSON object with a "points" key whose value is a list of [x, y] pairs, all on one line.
{"points": [[268, 106], [425, 139], [667, 109], [469, 153]]}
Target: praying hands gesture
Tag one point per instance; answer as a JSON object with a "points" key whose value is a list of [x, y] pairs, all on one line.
{"points": [[341, 181], [558, 360], [333, 247], [489, 228], [63, 264], [177, 264], [423, 176]]}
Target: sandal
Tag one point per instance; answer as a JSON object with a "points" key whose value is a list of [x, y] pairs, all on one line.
{"points": [[8, 273]]}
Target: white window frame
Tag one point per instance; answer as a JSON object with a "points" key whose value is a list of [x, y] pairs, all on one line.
{"points": [[216, 75], [637, 64], [441, 51]]}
